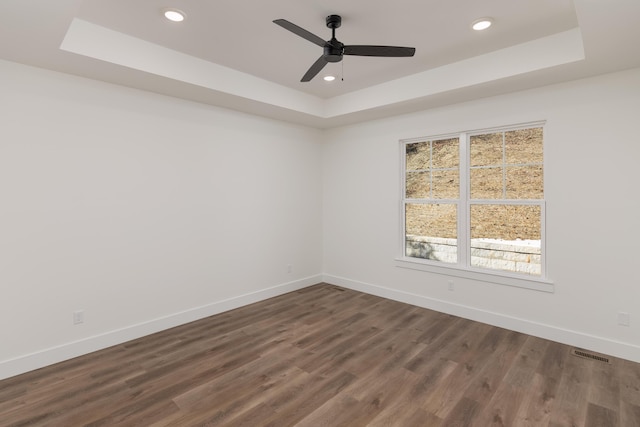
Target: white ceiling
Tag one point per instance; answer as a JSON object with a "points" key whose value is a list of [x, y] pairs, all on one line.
{"points": [[229, 53]]}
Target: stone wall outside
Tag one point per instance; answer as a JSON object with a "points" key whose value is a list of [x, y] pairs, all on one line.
{"points": [[518, 256]]}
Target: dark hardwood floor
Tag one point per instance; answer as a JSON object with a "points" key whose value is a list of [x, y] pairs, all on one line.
{"points": [[327, 356]]}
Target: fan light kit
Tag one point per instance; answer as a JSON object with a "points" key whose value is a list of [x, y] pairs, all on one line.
{"points": [[329, 78], [174, 15], [481, 24], [333, 50]]}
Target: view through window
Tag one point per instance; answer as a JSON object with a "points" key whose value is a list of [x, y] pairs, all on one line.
{"points": [[476, 200]]}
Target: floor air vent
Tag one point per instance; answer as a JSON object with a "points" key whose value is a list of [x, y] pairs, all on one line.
{"points": [[586, 354]]}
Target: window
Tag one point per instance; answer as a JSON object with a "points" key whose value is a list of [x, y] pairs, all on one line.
{"points": [[431, 199], [474, 201]]}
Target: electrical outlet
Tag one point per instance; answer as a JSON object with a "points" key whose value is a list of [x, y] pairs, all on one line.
{"points": [[289, 268], [78, 317], [450, 285], [623, 318]]}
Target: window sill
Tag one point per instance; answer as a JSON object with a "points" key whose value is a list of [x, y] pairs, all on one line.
{"points": [[519, 281]]}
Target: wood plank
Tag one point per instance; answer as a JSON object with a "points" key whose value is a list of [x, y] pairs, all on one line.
{"points": [[325, 355], [629, 414], [536, 406], [598, 416], [570, 405], [502, 409], [463, 414]]}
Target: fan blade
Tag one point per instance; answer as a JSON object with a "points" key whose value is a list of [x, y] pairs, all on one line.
{"points": [[315, 69], [390, 51], [300, 31]]}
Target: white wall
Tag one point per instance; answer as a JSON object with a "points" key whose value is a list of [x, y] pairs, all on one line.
{"points": [[591, 174], [147, 212], [143, 210]]}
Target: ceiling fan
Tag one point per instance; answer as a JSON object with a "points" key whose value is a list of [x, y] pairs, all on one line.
{"points": [[334, 49]]}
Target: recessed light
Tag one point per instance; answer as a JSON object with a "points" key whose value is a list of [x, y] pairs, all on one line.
{"points": [[482, 24], [174, 15], [329, 78]]}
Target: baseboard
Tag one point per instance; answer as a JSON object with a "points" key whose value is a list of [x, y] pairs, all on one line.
{"points": [[574, 338], [29, 362], [49, 356]]}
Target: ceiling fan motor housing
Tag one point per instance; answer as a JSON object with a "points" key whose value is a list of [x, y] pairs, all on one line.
{"points": [[333, 51]]}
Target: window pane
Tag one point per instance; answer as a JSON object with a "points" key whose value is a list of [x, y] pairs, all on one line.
{"points": [[446, 153], [417, 185], [431, 231], [446, 184], [486, 150], [432, 169], [524, 182], [523, 146], [418, 155], [486, 183], [506, 237]]}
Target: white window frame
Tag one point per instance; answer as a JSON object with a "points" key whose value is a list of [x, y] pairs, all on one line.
{"points": [[463, 267]]}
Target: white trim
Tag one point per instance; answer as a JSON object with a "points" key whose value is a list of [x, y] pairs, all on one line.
{"points": [[604, 345], [29, 362], [463, 204], [483, 275], [464, 209], [471, 132], [403, 195], [507, 128]]}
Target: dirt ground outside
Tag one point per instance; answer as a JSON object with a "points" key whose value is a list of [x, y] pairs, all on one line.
{"points": [[503, 165]]}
